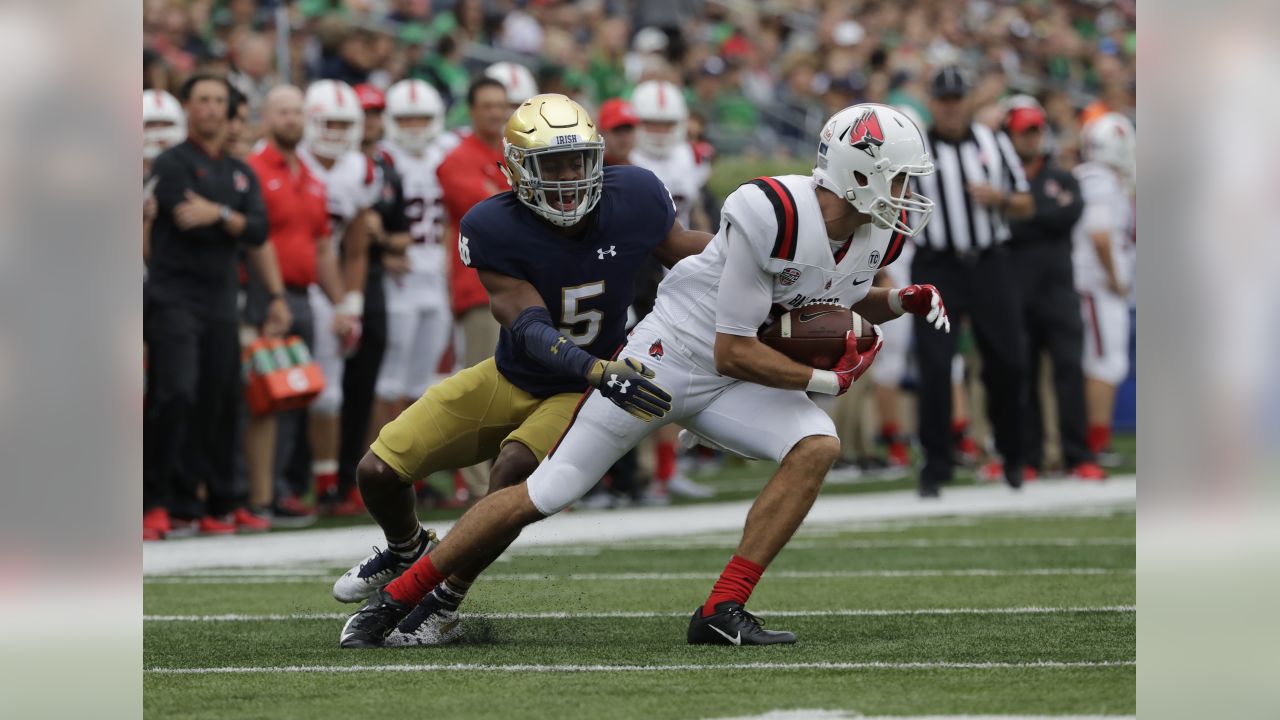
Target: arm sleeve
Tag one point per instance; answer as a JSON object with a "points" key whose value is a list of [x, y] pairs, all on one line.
{"points": [[746, 286], [173, 183], [255, 213], [1012, 165], [660, 196]]}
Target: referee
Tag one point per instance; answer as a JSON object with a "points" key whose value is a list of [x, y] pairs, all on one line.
{"points": [[208, 205], [977, 184]]}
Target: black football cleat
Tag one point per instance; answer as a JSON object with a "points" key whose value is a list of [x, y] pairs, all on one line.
{"points": [[733, 625], [371, 624]]}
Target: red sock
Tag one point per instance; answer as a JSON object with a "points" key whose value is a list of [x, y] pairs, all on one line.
{"points": [[420, 579], [889, 431], [666, 462], [1099, 438], [959, 427], [326, 484], [736, 583]]}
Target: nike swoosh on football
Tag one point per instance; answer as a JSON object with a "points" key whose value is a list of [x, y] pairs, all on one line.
{"points": [[859, 282], [806, 317], [736, 640]]}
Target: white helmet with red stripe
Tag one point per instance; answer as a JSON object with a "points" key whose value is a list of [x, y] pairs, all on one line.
{"points": [[413, 99], [862, 150], [332, 101], [660, 102], [163, 122], [516, 79], [1111, 140]]}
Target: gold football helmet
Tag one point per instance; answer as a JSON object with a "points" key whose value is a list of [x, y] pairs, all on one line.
{"points": [[554, 158]]}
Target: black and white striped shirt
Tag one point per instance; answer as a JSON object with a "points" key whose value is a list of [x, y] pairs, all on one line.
{"points": [[959, 224]]}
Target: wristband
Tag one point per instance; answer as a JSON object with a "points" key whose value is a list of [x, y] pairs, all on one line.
{"points": [[823, 381], [895, 301], [352, 304]]}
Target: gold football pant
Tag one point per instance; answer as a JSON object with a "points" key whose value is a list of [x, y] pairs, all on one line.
{"points": [[468, 418]]}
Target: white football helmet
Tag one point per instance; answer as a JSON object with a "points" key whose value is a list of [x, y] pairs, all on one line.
{"points": [[163, 122], [516, 79], [413, 98], [1110, 139], [660, 101], [861, 150], [332, 100]]}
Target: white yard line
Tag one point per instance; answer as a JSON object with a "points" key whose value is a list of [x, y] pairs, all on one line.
{"points": [[295, 578], [867, 612], [346, 545], [473, 667], [820, 714]]}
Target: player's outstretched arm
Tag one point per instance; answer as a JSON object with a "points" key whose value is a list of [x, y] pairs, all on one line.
{"points": [[517, 305], [680, 244]]}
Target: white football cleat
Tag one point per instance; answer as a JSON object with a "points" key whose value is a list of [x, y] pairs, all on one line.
{"points": [[426, 625], [375, 571], [682, 486]]}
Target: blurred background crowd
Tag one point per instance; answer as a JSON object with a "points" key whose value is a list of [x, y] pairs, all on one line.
{"points": [[762, 76], [757, 80]]}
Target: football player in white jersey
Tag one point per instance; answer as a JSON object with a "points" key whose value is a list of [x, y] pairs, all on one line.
{"points": [[783, 241], [662, 147], [163, 126], [418, 316], [1103, 252], [330, 149]]}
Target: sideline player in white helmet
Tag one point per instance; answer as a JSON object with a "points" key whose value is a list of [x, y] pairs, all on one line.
{"points": [[1103, 254], [330, 149], [516, 79], [163, 124], [662, 147], [787, 241], [418, 316]]}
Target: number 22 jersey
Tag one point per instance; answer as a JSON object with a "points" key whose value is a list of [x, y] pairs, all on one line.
{"points": [[586, 282]]}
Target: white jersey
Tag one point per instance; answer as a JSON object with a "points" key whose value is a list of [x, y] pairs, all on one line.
{"points": [[424, 205], [681, 172], [353, 184], [789, 263], [1108, 207]]}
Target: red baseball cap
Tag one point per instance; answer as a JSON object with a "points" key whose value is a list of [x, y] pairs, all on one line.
{"points": [[371, 98], [1021, 119], [615, 113]]}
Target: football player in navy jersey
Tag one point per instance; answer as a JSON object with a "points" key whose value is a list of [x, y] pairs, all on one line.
{"points": [[558, 256]]}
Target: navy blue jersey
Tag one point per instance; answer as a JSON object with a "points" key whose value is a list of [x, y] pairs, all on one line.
{"points": [[587, 283]]}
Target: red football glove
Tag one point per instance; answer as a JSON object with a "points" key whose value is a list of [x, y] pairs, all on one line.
{"points": [[853, 363], [927, 301]]}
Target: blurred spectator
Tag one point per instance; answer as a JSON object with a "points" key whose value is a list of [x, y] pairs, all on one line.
{"points": [[254, 72], [351, 55], [208, 205]]}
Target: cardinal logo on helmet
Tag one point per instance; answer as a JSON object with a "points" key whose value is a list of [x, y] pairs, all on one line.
{"points": [[865, 134]]}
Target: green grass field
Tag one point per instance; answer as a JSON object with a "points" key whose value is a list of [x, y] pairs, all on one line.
{"points": [[1015, 615]]}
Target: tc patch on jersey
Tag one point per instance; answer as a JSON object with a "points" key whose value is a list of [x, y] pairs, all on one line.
{"points": [[874, 258]]}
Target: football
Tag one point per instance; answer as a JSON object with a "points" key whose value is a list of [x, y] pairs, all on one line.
{"points": [[814, 334]]}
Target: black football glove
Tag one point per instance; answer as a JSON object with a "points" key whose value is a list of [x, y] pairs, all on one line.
{"points": [[629, 385]]}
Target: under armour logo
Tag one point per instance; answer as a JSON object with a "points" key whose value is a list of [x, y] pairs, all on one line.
{"points": [[610, 252], [621, 385], [555, 349]]}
